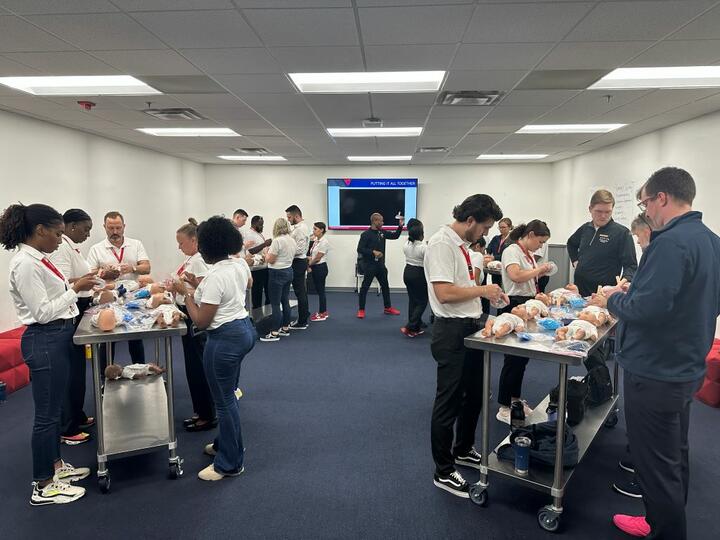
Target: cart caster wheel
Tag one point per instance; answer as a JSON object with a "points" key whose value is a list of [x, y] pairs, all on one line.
{"points": [[176, 471], [611, 420], [548, 520], [104, 484], [478, 495]]}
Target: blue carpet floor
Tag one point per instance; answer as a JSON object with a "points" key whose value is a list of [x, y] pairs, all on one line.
{"points": [[336, 424]]}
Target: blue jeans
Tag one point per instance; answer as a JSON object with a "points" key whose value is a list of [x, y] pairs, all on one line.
{"points": [[48, 351], [279, 285], [224, 351]]}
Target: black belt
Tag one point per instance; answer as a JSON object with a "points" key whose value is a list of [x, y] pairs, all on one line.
{"points": [[56, 322], [476, 320]]}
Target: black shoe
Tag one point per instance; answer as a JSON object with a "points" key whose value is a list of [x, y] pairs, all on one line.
{"points": [[626, 464], [89, 422], [297, 325], [517, 414], [453, 483], [190, 421], [471, 458], [205, 426], [629, 488]]}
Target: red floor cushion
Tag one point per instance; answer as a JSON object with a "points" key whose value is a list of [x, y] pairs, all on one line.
{"points": [[709, 394], [13, 371]]}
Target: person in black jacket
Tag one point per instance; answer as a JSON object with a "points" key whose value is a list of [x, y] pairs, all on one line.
{"points": [[498, 244], [371, 249]]}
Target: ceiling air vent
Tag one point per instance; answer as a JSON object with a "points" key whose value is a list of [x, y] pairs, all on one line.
{"points": [[372, 122], [174, 114], [469, 98], [432, 149], [252, 151]]}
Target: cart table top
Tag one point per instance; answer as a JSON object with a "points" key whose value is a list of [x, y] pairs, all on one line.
{"points": [[88, 334]]}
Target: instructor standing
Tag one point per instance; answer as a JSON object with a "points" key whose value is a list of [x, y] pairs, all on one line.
{"points": [[301, 234]]}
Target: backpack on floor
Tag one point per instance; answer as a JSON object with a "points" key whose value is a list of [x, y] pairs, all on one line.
{"points": [[542, 449], [577, 393], [600, 388]]}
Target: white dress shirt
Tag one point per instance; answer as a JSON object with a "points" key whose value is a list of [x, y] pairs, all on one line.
{"points": [[68, 259], [514, 254], [301, 234], [251, 239], [131, 251], [196, 266], [478, 261], [414, 252], [320, 246], [225, 286], [284, 247], [39, 295]]}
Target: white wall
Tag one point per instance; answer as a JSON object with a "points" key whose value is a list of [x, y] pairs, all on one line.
{"points": [[523, 192], [64, 168]]}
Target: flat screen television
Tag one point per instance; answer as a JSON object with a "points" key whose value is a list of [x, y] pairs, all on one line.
{"points": [[352, 200]]}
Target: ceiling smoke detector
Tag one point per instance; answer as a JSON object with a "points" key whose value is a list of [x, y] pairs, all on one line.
{"points": [[174, 114], [469, 98], [252, 151], [372, 122]]}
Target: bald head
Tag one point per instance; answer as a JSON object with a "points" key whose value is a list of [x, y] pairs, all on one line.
{"points": [[376, 221]]}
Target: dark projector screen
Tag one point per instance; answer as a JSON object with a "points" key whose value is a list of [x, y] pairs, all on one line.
{"points": [[356, 205]]}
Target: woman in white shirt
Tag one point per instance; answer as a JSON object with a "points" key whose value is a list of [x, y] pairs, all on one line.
{"points": [[218, 305], [193, 265], [46, 303], [280, 258], [520, 275], [71, 263], [414, 278], [318, 268]]}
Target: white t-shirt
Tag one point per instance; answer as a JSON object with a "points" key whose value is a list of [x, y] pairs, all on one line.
{"points": [[285, 248], [130, 252], [225, 286], [68, 259], [320, 246], [301, 234], [445, 263], [414, 252], [478, 259], [514, 254], [196, 266], [251, 239]]}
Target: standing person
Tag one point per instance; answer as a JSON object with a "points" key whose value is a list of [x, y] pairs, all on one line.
{"points": [[46, 303], [239, 219], [414, 278], [218, 305], [280, 259], [479, 259], [371, 248], [255, 243], [318, 268], [301, 234], [455, 300], [71, 263], [195, 267], [128, 257], [498, 243], [640, 228], [520, 276], [667, 320]]}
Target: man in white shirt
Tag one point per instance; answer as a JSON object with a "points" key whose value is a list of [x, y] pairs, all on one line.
{"points": [[255, 243], [301, 234], [455, 301], [127, 257]]}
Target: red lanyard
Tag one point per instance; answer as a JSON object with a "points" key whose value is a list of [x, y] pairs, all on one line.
{"points": [[53, 269], [118, 257], [468, 261], [69, 244], [531, 260], [182, 266]]}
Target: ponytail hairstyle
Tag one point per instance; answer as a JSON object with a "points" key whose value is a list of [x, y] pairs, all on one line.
{"points": [[76, 215], [416, 231], [539, 228], [18, 222], [189, 229]]}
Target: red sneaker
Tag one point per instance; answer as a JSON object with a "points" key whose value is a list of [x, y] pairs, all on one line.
{"points": [[391, 311], [73, 440], [408, 333], [361, 314], [315, 317], [632, 525]]}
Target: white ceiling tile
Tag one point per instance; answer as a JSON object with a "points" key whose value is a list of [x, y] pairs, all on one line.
{"points": [[388, 102], [537, 98], [233, 61], [290, 27], [397, 146], [172, 5], [319, 59], [63, 63], [592, 55], [449, 126], [591, 103], [656, 102], [227, 101], [292, 3], [514, 143], [380, 3], [513, 115], [483, 79], [10, 68], [565, 140], [260, 82], [408, 25], [38, 7], [628, 21], [504, 56], [334, 108], [18, 35], [408, 57], [475, 144], [679, 53], [705, 27], [152, 62], [498, 23], [200, 29], [222, 114], [506, 128], [460, 111]]}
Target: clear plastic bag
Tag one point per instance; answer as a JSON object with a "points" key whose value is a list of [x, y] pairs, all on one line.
{"points": [[535, 336], [571, 346]]}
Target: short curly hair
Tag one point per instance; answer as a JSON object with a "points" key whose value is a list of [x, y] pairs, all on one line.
{"points": [[218, 239]]}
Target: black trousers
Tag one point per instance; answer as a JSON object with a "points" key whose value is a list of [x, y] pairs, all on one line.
{"points": [[319, 275], [260, 284], [458, 398], [193, 348], [374, 270], [543, 283], [657, 415], [513, 370], [72, 411], [299, 286], [414, 278]]}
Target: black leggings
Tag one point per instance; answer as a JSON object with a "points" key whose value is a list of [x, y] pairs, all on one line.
{"points": [[513, 370], [414, 278], [319, 275]]}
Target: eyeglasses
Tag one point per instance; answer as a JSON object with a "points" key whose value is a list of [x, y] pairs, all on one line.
{"points": [[642, 205]]}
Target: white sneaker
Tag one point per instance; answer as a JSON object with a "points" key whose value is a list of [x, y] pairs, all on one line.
{"points": [[67, 473], [503, 414], [526, 408], [55, 493], [210, 450], [211, 475], [270, 337]]}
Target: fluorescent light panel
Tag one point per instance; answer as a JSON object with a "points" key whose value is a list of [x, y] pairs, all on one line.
{"points": [[190, 132], [379, 158], [660, 77], [511, 156], [376, 132], [569, 128], [372, 81], [100, 85], [253, 158]]}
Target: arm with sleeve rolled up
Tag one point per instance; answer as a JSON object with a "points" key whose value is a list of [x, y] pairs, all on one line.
{"points": [[573, 245], [364, 247], [628, 258]]}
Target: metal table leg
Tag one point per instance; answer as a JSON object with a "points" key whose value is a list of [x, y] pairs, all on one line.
{"points": [[102, 472], [175, 461], [478, 492]]}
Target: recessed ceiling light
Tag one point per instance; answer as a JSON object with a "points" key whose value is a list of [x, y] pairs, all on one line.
{"points": [[253, 158], [190, 132], [511, 156], [660, 77], [371, 81], [375, 132], [379, 158], [96, 85], [569, 128]]}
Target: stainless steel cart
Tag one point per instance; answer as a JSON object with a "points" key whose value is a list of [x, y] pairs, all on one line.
{"points": [[550, 481], [125, 429]]}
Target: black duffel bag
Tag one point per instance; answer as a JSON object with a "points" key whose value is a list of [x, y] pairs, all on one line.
{"points": [[600, 388], [577, 393], [542, 449]]}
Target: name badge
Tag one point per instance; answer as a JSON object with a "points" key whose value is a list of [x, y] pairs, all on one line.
{"points": [[604, 238]]}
